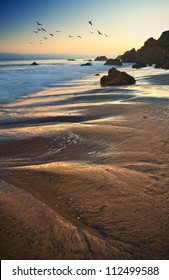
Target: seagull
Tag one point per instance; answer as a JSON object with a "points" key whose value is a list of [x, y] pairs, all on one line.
{"points": [[45, 38], [106, 35], [90, 22], [39, 29], [57, 30], [38, 23], [99, 32], [43, 29], [36, 31], [70, 36], [51, 34], [79, 36]]}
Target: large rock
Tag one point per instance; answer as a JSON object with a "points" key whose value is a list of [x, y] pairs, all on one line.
{"points": [[139, 64], [152, 52], [129, 56], [163, 41], [116, 78], [112, 61], [101, 58]]}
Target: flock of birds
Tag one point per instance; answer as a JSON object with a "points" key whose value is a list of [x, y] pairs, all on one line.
{"points": [[40, 28]]}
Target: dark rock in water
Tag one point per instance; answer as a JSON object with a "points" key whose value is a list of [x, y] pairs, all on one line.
{"points": [[139, 64], [87, 64], [112, 61], [34, 63], [129, 56], [97, 74], [101, 58], [165, 65], [116, 78], [71, 59]]}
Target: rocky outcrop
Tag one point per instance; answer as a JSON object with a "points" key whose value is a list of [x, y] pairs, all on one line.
{"points": [[86, 64], [112, 61], [163, 41], [129, 56], [139, 64], [152, 52], [116, 78], [101, 58], [34, 63]]}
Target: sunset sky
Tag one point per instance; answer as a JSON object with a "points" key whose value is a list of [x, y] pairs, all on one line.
{"points": [[127, 22]]}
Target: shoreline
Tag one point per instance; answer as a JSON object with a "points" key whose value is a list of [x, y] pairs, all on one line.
{"points": [[102, 186]]}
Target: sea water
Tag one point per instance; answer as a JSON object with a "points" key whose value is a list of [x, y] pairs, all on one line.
{"points": [[19, 78]]}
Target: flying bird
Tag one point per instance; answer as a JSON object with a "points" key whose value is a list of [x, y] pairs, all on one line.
{"points": [[70, 36], [36, 31], [43, 29], [99, 32], [106, 35], [38, 23], [91, 32], [45, 38], [57, 30], [79, 36], [51, 34], [90, 22]]}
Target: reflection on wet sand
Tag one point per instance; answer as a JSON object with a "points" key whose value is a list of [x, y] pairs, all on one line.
{"points": [[84, 175]]}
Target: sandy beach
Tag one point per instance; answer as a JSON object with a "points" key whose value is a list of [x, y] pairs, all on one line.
{"points": [[88, 179]]}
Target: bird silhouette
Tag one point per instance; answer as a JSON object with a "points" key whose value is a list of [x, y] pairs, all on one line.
{"points": [[36, 31], [39, 29], [91, 32], [45, 38], [57, 30], [38, 23], [106, 35], [90, 22], [79, 36], [51, 34], [70, 36], [43, 29], [99, 32]]}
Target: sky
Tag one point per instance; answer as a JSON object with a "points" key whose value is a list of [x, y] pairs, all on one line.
{"points": [[128, 24]]}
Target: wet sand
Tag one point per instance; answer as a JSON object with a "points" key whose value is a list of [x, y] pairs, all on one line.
{"points": [[88, 181]]}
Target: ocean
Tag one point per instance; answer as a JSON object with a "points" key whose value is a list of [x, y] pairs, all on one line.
{"points": [[18, 78]]}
